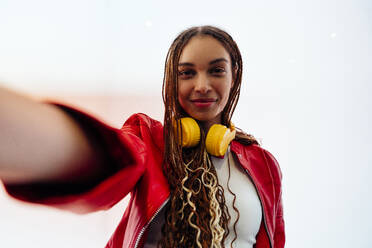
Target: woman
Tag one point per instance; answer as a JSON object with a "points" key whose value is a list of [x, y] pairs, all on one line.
{"points": [[181, 195]]}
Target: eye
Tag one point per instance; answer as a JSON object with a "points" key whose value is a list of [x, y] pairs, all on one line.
{"points": [[217, 71], [187, 73]]}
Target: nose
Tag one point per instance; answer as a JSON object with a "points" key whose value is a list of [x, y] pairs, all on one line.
{"points": [[202, 84]]}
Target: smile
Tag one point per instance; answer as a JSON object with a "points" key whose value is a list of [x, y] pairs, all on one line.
{"points": [[203, 102]]}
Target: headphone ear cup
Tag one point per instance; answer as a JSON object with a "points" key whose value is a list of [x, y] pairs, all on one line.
{"points": [[190, 132], [218, 139]]}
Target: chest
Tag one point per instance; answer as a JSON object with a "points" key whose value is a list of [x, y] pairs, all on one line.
{"points": [[241, 199]]}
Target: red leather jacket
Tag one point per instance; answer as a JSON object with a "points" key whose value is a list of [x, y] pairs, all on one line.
{"points": [[134, 154]]}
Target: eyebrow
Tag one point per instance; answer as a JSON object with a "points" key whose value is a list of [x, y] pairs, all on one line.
{"points": [[210, 63]]}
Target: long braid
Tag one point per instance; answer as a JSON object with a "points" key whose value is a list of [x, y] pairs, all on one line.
{"points": [[234, 200]]}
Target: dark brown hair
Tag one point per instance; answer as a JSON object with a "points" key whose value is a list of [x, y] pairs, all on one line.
{"points": [[196, 215]]}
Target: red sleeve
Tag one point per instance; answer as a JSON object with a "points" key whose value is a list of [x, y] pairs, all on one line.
{"points": [[279, 232], [279, 235], [123, 153]]}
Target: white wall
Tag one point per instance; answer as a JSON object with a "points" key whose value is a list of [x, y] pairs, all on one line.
{"points": [[305, 94]]}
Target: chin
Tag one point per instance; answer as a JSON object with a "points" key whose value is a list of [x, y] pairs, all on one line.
{"points": [[206, 116], [202, 117]]}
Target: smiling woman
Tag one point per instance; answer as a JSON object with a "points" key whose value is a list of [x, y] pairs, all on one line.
{"points": [[181, 196], [202, 79]]}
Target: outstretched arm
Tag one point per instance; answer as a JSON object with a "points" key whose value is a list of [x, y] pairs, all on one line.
{"points": [[57, 155], [41, 143]]}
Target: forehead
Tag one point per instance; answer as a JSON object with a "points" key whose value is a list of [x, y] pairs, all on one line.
{"points": [[202, 50]]}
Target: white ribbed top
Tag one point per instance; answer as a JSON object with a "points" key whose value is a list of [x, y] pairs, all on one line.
{"points": [[247, 202]]}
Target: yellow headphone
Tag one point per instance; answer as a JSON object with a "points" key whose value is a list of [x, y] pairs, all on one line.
{"points": [[217, 140]]}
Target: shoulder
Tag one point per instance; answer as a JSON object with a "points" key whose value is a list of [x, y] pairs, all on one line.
{"points": [[144, 127], [261, 156], [272, 162], [276, 172], [141, 120]]}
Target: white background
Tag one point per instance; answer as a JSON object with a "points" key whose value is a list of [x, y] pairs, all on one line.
{"points": [[305, 95]]}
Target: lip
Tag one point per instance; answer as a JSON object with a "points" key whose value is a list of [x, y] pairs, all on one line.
{"points": [[203, 102]]}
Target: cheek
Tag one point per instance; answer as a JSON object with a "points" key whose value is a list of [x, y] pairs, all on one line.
{"points": [[225, 90], [181, 97], [224, 101], [180, 101], [183, 93], [225, 93]]}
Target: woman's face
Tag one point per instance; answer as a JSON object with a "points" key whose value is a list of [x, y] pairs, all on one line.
{"points": [[204, 79]]}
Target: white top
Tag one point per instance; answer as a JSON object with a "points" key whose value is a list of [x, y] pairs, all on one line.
{"points": [[247, 202]]}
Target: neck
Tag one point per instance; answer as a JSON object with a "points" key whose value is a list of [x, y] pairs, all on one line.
{"points": [[206, 125]]}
